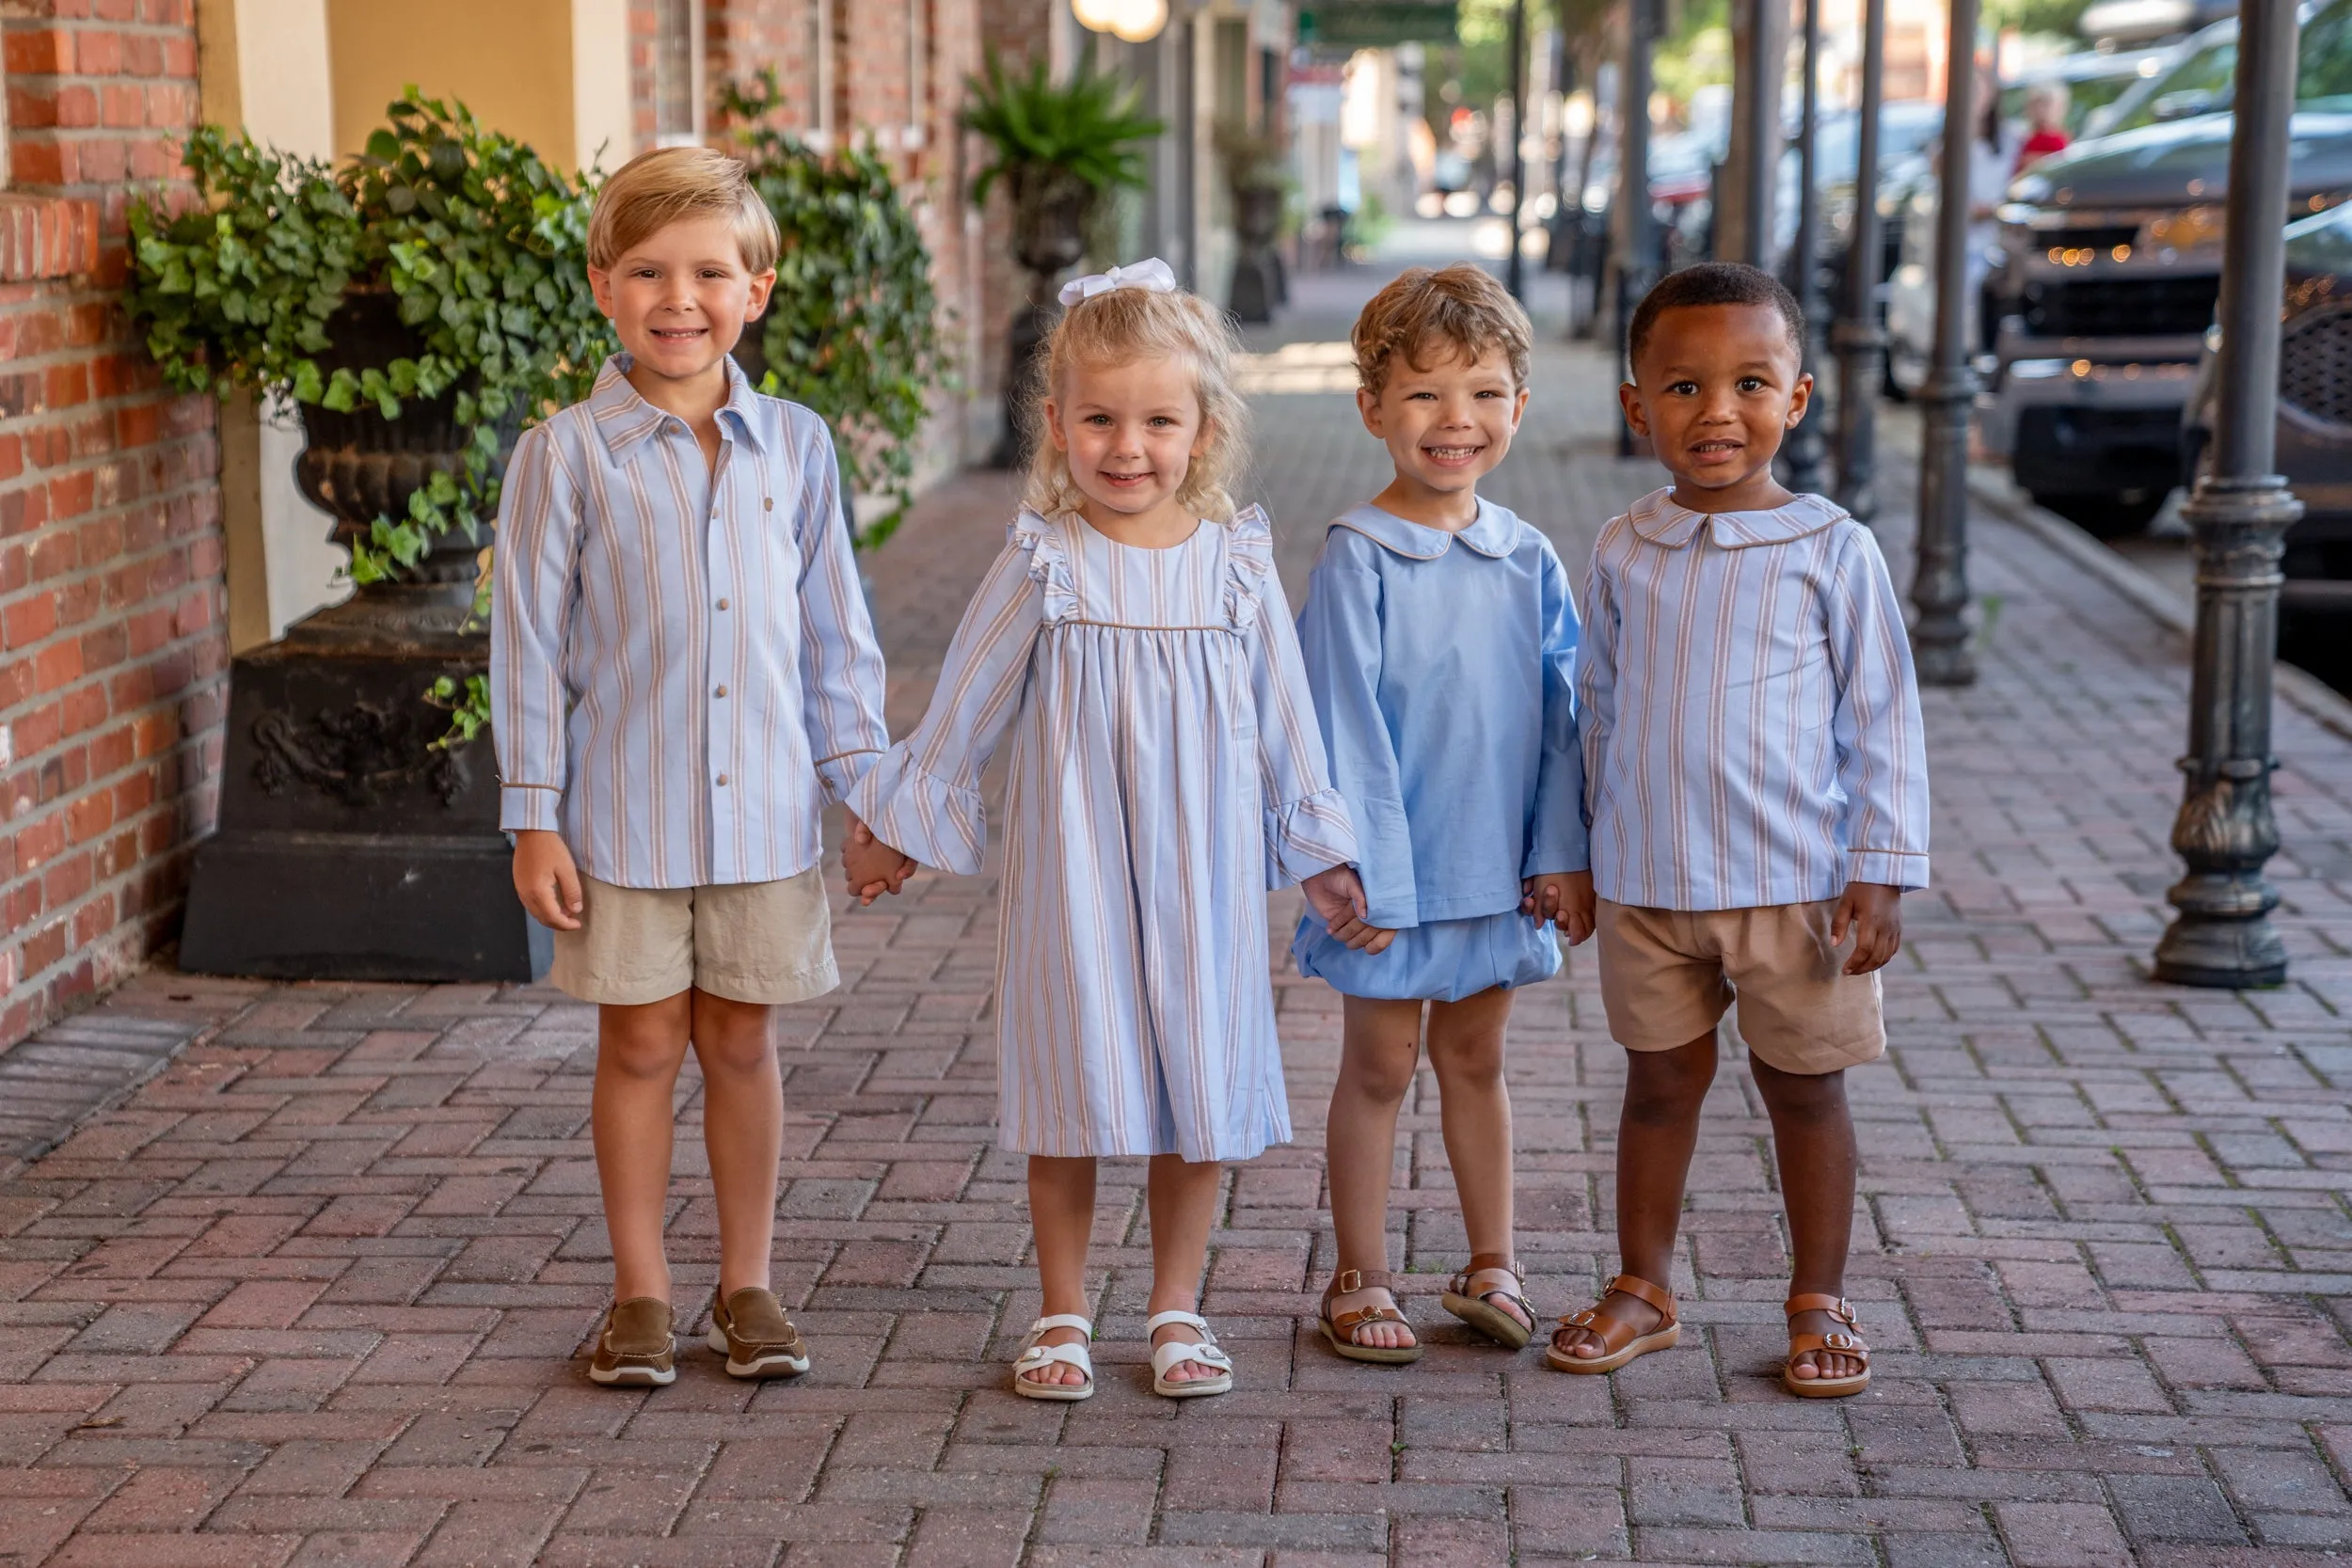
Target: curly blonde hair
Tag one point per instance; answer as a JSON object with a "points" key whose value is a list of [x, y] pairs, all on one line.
{"points": [[1456, 310], [1118, 327]]}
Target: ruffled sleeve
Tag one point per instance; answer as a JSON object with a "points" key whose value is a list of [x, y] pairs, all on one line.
{"points": [[922, 799], [1047, 549], [1308, 827], [1248, 566]]}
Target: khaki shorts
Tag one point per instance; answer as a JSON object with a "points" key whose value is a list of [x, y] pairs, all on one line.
{"points": [[749, 941], [1667, 976]]}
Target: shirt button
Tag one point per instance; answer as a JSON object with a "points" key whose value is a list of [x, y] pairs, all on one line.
{"points": [[723, 781], [723, 604], [723, 692], [768, 501]]}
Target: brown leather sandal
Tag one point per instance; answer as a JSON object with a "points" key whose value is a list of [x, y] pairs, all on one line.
{"points": [[1466, 1296], [1841, 1342], [1619, 1343], [1340, 1331]]}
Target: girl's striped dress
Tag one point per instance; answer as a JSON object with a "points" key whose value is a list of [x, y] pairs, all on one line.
{"points": [[1166, 770]]}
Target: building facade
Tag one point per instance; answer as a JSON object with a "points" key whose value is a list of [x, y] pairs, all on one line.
{"points": [[146, 535]]}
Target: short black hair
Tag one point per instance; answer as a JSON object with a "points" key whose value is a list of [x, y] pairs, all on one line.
{"points": [[1714, 283]]}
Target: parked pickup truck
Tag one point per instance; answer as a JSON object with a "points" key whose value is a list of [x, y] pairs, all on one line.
{"points": [[2111, 265], [2314, 426]]}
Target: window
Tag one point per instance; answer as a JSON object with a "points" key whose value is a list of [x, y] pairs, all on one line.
{"points": [[677, 72]]}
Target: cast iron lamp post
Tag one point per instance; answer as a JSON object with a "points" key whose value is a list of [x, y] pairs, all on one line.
{"points": [[1805, 445], [1858, 336], [1633, 203], [2240, 511], [1756, 100], [1939, 588]]}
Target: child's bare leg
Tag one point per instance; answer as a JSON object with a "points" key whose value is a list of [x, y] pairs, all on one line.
{"points": [[1659, 1129], [1062, 1215], [1813, 1139], [1181, 1196], [742, 1133], [1379, 1049], [1474, 1104], [629, 1116]]}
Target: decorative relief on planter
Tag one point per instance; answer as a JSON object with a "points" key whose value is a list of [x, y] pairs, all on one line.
{"points": [[357, 756]]}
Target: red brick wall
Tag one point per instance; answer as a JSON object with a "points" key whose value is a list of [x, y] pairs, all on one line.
{"points": [[113, 653]]}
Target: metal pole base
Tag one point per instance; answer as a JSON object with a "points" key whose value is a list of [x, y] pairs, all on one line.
{"points": [[1940, 640], [2226, 829], [1861, 349]]}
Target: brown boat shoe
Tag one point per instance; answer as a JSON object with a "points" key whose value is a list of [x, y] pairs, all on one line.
{"points": [[751, 1330], [636, 1349]]}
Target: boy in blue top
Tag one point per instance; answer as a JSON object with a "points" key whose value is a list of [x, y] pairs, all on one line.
{"points": [[1441, 644]]}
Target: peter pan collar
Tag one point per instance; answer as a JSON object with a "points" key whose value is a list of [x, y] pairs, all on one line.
{"points": [[623, 418], [1495, 533], [1658, 520]]}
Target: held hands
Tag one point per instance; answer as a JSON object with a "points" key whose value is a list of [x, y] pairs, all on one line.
{"points": [[871, 868], [1563, 897], [1337, 896], [545, 879], [1874, 910]]}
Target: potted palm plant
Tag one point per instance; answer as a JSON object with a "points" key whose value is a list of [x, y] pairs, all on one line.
{"points": [[1257, 172], [1058, 147]]}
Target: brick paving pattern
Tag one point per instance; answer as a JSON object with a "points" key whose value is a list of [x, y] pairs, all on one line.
{"points": [[319, 1292]]}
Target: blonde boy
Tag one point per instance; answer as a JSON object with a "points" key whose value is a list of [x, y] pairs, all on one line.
{"points": [[682, 677]]}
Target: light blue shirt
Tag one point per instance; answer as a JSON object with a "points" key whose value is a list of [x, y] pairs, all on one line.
{"points": [[1443, 666], [682, 671], [1752, 723]]}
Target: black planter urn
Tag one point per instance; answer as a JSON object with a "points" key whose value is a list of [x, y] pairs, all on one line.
{"points": [[1050, 209], [350, 848], [1257, 270]]}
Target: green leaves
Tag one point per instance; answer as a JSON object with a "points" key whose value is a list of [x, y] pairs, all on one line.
{"points": [[1087, 127], [851, 329]]}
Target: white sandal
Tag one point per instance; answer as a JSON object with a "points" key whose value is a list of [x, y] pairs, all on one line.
{"points": [[1034, 1355], [1177, 1351]]}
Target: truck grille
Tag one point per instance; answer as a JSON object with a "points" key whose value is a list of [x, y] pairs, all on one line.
{"points": [[2316, 366], [2121, 306]]}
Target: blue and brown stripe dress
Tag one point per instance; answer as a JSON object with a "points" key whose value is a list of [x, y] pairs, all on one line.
{"points": [[1166, 771]]}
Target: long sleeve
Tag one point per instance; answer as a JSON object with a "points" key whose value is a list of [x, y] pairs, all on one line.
{"points": [[1557, 840], [1306, 826], [1339, 640], [841, 664], [1595, 678], [923, 797], [533, 595], [1882, 744]]}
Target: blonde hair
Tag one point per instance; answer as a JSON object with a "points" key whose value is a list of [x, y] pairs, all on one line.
{"points": [[1119, 327], [1461, 307], [671, 184]]}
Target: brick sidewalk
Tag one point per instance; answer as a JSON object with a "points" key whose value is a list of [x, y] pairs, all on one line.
{"points": [[317, 1294]]}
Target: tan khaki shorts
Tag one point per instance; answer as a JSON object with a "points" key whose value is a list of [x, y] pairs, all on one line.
{"points": [[748, 941], [1667, 976]]}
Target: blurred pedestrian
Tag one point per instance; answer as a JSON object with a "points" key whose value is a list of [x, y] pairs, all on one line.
{"points": [[2045, 124]]}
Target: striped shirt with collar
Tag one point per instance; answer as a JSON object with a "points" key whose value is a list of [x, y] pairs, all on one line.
{"points": [[682, 670], [1751, 721]]}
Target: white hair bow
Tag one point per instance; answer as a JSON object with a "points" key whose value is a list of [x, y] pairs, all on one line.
{"points": [[1152, 275]]}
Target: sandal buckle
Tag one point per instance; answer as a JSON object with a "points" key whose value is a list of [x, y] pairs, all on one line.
{"points": [[1348, 1282], [1841, 1342]]}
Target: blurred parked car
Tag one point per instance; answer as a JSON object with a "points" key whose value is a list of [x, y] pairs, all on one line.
{"points": [[2199, 77], [2110, 266], [2136, 22], [2314, 427], [2092, 80]]}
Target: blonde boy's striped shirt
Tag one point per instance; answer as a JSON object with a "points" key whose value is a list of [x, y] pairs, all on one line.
{"points": [[682, 670], [1752, 731]]}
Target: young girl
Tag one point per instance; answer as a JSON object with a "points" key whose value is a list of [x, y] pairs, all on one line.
{"points": [[1441, 641], [1165, 769]]}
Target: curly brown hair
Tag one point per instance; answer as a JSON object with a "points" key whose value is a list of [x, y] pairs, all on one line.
{"points": [[1461, 308]]}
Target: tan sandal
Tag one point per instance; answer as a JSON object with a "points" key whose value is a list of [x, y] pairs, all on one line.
{"points": [[1466, 1296], [1340, 1331], [1619, 1343], [1842, 1342]]}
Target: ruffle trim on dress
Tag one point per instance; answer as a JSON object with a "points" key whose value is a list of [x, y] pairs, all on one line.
{"points": [[941, 825], [1248, 565], [1049, 563], [1307, 836]]}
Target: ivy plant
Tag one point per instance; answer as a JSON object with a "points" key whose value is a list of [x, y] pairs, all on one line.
{"points": [[852, 327], [483, 243]]}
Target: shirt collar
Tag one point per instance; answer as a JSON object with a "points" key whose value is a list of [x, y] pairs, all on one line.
{"points": [[1494, 533], [624, 417], [1656, 518]]}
